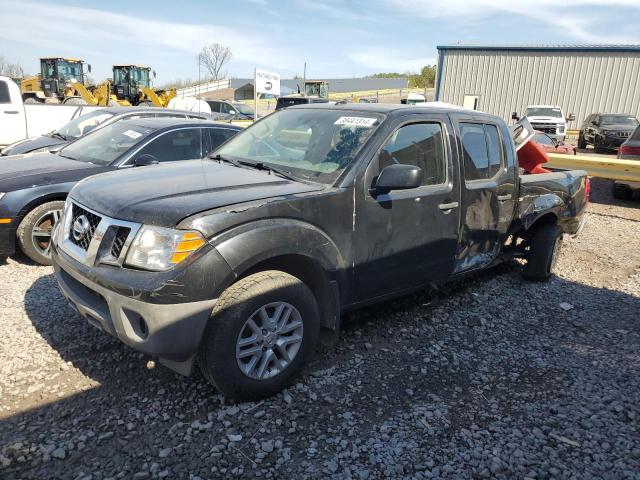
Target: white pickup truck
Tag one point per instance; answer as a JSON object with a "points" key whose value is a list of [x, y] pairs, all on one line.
{"points": [[549, 119], [18, 121]]}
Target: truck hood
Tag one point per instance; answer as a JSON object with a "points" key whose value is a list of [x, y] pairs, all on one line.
{"points": [[43, 168], [30, 144], [546, 119], [163, 195]]}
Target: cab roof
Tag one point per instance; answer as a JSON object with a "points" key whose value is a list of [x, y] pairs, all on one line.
{"points": [[130, 65], [160, 123], [63, 58]]}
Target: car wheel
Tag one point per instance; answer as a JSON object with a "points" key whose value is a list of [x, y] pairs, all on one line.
{"points": [[74, 101], [621, 191], [146, 103], [34, 231], [261, 333], [581, 142], [545, 245], [31, 101]]}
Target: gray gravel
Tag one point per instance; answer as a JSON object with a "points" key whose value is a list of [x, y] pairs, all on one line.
{"points": [[492, 377]]}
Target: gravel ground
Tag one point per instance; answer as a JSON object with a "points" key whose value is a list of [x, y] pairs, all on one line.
{"points": [[492, 377]]}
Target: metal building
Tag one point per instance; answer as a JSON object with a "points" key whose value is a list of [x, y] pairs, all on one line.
{"points": [[503, 79]]}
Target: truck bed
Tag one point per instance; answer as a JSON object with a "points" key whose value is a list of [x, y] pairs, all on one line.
{"points": [[562, 193]]}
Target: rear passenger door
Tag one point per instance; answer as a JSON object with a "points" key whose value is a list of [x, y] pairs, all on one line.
{"points": [[488, 189], [179, 144], [406, 238]]}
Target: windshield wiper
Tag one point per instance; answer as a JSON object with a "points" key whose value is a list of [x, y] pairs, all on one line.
{"points": [[221, 159], [268, 168], [58, 135]]}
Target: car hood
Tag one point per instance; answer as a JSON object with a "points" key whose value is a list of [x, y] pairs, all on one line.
{"points": [[545, 119], [31, 144], [163, 195], [43, 168], [617, 128]]}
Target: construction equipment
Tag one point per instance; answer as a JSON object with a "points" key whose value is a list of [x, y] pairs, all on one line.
{"points": [[316, 88], [61, 80], [132, 86]]}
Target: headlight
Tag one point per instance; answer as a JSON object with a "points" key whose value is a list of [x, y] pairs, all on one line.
{"points": [[158, 248]]}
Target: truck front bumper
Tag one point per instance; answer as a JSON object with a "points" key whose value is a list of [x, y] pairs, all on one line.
{"points": [[7, 239], [170, 332]]}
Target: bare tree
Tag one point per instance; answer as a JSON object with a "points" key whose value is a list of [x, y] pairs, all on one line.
{"points": [[13, 70], [213, 57]]}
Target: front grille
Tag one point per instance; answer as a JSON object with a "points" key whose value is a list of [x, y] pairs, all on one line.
{"points": [[623, 134], [118, 241], [77, 234], [545, 128]]}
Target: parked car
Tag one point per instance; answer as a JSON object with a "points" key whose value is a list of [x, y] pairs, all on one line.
{"points": [[308, 213], [549, 119], [629, 150], [238, 111], [33, 187], [18, 121], [297, 99], [606, 131], [90, 121], [551, 145]]}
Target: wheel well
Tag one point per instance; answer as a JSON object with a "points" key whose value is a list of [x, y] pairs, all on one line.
{"points": [[314, 276], [39, 201]]}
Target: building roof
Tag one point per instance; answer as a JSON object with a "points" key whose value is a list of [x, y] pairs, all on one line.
{"points": [[544, 48]]}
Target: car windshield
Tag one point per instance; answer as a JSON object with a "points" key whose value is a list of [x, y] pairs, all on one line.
{"points": [[106, 144], [542, 139], [310, 144], [83, 124], [625, 120], [544, 112], [244, 109]]}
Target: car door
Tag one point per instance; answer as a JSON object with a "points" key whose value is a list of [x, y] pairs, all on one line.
{"points": [[488, 186], [407, 238], [13, 126], [179, 144]]}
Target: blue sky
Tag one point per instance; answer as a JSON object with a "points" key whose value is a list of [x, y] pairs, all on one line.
{"points": [[335, 38]]}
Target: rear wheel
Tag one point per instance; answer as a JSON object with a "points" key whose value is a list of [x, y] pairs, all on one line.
{"points": [[581, 141], [146, 103], [545, 245], [74, 101], [31, 101], [34, 232], [262, 332]]}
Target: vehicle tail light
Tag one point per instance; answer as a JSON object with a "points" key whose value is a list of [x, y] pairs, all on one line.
{"points": [[629, 150], [587, 189]]}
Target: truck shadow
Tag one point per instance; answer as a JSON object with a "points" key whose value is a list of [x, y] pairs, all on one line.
{"points": [[601, 189], [474, 318]]}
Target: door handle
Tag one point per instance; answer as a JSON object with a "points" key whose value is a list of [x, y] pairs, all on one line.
{"points": [[11, 112], [448, 206], [504, 198]]}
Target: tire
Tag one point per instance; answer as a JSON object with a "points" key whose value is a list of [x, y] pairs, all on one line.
{"points": [[74, 101], [581, 141], [31, 101], [146, 103], [545, 245], [597, 145], [220, 355], [620, 192], [35, 228]]}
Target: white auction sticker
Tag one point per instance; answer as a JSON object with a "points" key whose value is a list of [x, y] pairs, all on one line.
{"points": [[356, 121], [132, 134]]}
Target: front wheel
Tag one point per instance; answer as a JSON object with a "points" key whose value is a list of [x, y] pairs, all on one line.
{"points": [[545, 245], [261, 334], [34, 231], [581, 141], [74, 101]]}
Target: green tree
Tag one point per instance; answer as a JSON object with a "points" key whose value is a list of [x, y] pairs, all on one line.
{"points": [[425, 79]]}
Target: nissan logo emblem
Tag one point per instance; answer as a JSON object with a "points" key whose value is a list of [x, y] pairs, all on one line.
{"points": [[80, 228]]}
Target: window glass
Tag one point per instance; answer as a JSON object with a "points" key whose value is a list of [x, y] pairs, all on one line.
{"points": [[542, 139], [419, 144], [225, 108], [476, 157], [494, 149], [183, 144], [4, 93], [217, 136], [84, 124]]}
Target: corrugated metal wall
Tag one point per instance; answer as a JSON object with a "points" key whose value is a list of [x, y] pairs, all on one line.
{"points": [[580, 82]]}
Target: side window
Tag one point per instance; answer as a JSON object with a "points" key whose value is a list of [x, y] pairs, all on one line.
{"points": [[4, 93], [482, 151], [225, 108], [183, 144], [217, 136], [419, 144]]}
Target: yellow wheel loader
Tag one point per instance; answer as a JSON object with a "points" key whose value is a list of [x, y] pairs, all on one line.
{"points": [[61, 80], [132, 86]]}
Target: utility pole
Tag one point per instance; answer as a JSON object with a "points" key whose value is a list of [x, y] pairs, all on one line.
{"points": [[304, 79]]}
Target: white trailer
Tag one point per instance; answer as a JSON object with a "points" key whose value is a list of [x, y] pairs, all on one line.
{"points": [[18, 121]]}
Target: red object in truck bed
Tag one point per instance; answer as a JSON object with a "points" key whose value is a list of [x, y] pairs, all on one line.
{"points": [[531, 157]]}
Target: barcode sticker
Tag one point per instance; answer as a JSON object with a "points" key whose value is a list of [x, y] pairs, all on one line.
{"points": [[356, 121]]}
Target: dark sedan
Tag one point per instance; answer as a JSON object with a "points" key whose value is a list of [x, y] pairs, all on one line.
{"points": [[33, 187], [88, 122], [606, 131]]}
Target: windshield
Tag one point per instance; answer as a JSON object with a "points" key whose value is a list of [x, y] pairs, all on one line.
{"points": [[542, 139], [83, 124], [311, 144], [134, 75], [543, 112], [244, 109], [106, 144], [618, 120], [69, 70]]}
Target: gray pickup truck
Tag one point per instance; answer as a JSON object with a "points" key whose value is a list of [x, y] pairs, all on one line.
{"points": [[238, 260]]}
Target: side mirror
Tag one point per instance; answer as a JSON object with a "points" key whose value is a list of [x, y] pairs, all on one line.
{"points": [[145, 160], [55, 149], [87, 129], [89, 67], [232, 112], [571, 117], [515, 116], [154, 74], [398, 177]]}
